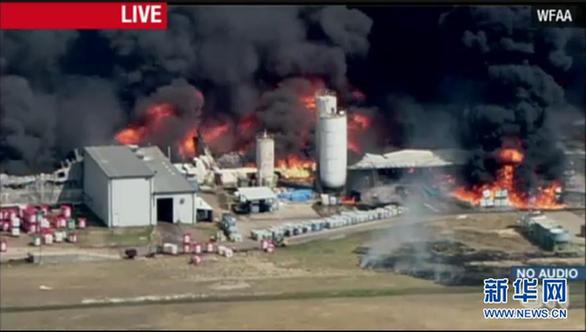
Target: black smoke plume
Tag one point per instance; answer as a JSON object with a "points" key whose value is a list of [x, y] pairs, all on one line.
{"points": [[502, 84], [66, 89]]}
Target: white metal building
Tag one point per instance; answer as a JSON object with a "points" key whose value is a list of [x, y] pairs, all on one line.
{"points": [[256, 199], [411, 158], [137, 187], [117, 186]]}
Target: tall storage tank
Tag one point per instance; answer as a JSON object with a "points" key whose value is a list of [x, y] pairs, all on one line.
{"points": [[326, 102], [332, 141], [265, 159]]}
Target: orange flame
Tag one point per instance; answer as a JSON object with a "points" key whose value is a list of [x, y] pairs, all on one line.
{"points": [[359, 121], [210, 134], [546, 197], [130, 135], [156, 114], [247, 123], [357, 124], [187, 146], [354, 146], [511, 156], [293, 166], [153, 118], [348, 200], [309, 102], [213, 132]]}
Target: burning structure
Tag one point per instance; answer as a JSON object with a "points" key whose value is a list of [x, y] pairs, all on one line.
{"points": [[388, 178], [509, 78], [438, 170]]}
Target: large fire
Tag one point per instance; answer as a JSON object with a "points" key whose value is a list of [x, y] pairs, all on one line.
{"points": [[221, 134], [294, 167], [511, 156], [545, 197], [188, 147], [154, 117], [357, 125], [210, 134], [309, 102]]}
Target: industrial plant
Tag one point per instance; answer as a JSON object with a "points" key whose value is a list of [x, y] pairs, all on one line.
{"points": [[281, 167], [138, 186]]}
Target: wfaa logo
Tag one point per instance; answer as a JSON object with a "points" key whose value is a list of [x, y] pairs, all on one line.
{"points": [[542, 293], [556, 16]]}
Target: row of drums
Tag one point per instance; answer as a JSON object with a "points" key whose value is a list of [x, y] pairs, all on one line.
{"points": [[343, 219]]}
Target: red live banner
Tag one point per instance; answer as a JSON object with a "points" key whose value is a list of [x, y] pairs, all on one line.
{"points": [[83, 15]]}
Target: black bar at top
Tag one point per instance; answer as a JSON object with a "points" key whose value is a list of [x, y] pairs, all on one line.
{"points": [[335, 2]]}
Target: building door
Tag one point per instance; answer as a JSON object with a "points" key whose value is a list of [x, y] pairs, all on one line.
{"points": [[165, 210]]}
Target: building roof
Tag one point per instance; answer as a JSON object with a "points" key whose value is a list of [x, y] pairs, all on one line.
{"points": [[202, 205], [167, 178], [411, 158], [118, 161], [256, 193]]}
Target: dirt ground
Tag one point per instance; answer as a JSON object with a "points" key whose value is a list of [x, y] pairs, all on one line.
{"points": [[315, 285], [433, 311]]}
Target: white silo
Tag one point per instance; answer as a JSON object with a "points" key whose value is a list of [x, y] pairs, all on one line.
{"points": [[332, 142], [326, 102], [265, 159]]}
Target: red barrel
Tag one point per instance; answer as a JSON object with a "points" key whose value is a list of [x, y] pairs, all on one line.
{"points": [[264, 244], [30, 215], [81, 222], [9, 212], [210, 247], [3, 246], [72, 237], [53, 222], [197, 248], [195, 259], [61, 222], [66, 211], [5, 225], [270, 247], [33, 228], [186, 248], [45, 209], [186, 238]]}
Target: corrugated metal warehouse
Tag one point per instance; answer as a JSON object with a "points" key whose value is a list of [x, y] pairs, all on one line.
{"points": [[138, 188]]}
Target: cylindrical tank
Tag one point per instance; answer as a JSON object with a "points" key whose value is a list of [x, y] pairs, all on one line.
{"points": [[72, 237], [187, 238], [332, 149], [265, 159], [326, 102]]}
